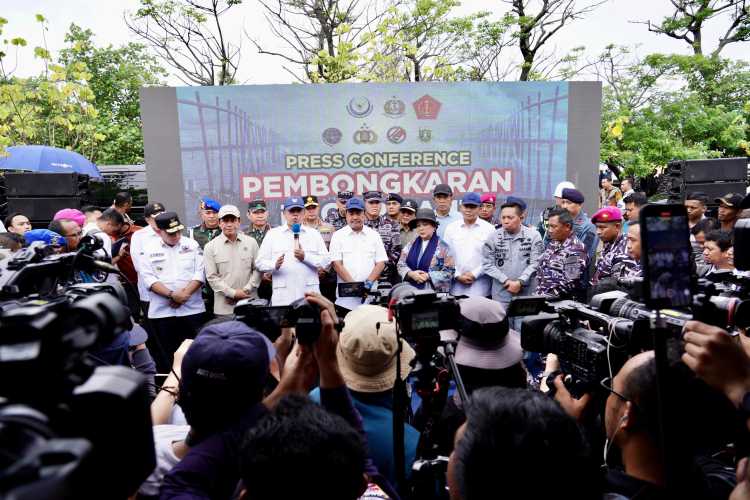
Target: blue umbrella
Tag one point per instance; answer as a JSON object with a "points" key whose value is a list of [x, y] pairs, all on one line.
{"points": [[46, 159]]}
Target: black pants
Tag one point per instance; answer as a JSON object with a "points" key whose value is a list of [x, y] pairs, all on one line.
{"points": [[170, 332]]}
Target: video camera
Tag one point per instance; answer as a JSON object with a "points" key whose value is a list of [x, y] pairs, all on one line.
{"points": [[269, 320], [421, 314], [68, 429]]}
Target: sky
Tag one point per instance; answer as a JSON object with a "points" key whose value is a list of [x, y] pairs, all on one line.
{"points": [[610, 23]]}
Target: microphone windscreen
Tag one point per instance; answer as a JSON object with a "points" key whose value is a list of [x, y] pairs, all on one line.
{"points": [[295, 228]]}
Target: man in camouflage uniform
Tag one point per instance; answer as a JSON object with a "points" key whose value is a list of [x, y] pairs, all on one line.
{"points": [[631, 267], [204, 232], [209, 228], [312, 220], [337, 216], [389, 232], [563, 263], [257, 213], [614, 255]]}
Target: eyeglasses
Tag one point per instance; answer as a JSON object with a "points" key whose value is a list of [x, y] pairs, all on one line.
{"points": [[607, 385], [75, 235]]}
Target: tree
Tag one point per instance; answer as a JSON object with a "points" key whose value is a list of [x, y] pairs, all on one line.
{"points": [[189, 37], [422, 41], [537, 26], [691, 16], [322, 38], [117, 73], [55, 108]]}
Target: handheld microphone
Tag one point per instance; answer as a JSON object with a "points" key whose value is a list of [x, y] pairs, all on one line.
{"points": [[295, 231]]}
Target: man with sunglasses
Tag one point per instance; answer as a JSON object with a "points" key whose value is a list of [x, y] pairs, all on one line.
{"points": [[389, 231]]}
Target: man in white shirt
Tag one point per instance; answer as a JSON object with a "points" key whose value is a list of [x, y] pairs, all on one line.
{"points": [[466, 239], [172, 269], [442, 200], [293, 253], [137, 243], [357, 253]]}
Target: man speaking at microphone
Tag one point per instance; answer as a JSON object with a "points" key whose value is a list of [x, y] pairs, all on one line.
{"points": [[293, 253]]}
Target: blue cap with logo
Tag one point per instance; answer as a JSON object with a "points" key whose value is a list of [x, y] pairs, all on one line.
{"points": [[45, 236], [471, 199], [209, 204], [293, 202], [354, 204]]}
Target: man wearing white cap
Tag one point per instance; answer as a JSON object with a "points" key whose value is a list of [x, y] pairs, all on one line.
{"points": [[557, 195], [230, 263]]}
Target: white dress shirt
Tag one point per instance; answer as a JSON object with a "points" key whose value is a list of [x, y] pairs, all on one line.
{"points": [[466, 242], [137, 243], [174, 267], [359, 252], [294, 277]]}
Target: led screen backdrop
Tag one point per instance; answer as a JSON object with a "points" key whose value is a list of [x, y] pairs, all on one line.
{"points": [[239, 143]]}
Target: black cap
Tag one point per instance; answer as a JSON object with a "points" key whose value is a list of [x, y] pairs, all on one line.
{"points": [[258, 204], [373, 195], [732, 200], [442, 189], [169, 222], [394, 197], [410, 205], [424, 214], [344, 195], [745, 202], [311, 201], [153, 209]]}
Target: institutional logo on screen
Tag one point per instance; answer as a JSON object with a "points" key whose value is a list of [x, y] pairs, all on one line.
{"points": [[396, 135], [331, 136], [365, 135], [359, 107], [394, 108], [427, 107]]}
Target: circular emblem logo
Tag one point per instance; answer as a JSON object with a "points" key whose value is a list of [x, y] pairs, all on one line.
{"points": [[331, 136], [396, 135], [394, 108], [365, 135], [359, 107]]}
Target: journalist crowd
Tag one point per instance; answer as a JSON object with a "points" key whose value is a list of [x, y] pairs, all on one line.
{"points": [[241, 412]]}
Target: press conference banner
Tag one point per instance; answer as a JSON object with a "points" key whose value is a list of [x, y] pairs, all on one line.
{"points": [[239, 143]]}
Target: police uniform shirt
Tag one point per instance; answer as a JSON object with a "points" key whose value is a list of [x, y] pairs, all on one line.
{"points": [[230, 265], [137, 244], [358, 252], [466, 243], [294, 277], [174, 267], [508, 256]]}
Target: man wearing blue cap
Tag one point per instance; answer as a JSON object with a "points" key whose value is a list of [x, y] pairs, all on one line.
{"points": [[46, 237], [209, 228], [357, 253], [466, 238], [293, 254]]}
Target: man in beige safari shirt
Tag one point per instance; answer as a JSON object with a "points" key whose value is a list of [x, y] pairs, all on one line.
{"points": [[230, 263]]}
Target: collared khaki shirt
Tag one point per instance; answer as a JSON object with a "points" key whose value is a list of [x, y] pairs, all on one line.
{"points": [[231, 266]]}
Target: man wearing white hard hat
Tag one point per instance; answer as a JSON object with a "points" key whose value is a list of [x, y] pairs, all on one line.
{"points": [[557, 194]]}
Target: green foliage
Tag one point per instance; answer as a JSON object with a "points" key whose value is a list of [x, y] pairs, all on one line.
{"points": [[697, 118], [86, 100]]}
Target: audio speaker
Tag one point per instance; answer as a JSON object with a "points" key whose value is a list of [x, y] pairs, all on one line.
{"points": [[42, 209], [715, 169], [45, 185], [712, 189]]}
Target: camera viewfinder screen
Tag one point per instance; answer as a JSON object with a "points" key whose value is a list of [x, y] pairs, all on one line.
{"points": [[669, 255], [429, 320]]}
